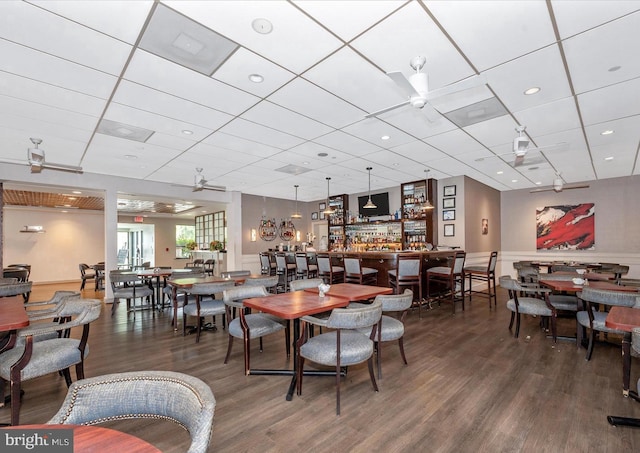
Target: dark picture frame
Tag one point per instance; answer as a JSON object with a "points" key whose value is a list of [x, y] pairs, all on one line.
{"points": [[449, 214], [322, 217], [449, 191], [449, 230], [448, 203], [314, 216], [485, 226], [322, 206]]}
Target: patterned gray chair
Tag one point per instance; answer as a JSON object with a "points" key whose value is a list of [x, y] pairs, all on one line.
{"points": [[299, 285], [250, 325], [203, 306], [343, 346], [562, 302], [593, 319], [534, 301], [269, 282], [126, 286], [391, 328], [164, 395], [52, 355], [46, 307], [16, 288]]}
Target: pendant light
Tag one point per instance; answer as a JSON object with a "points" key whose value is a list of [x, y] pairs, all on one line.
{"points": [[296, 214], [427, 204], [328, 210], [369, 204]]}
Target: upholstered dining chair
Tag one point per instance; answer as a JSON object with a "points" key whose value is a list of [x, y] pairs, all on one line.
{"points": [[391, 325], [206, 304], [304, 269], [452, 277], [267, 267], [593, 319], [159, 395], [408, 274], [51, 355], [286, 271], [484, 273], [354, 272], [46, 308], [533, 301], [126, 286], [249, 326], [561, 302], [270, 282], [85, 274], [328, 272], [342, 346], [209, 266]]}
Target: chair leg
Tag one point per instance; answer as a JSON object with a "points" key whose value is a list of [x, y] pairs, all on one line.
{"points": [[226, 359], [513, 316], [67, 376], [80, 370], [378, 352], [401, 344], [338, 387], [15, 402], [517, 325], [371, 374], [592, 336], [287, 338], [247, 344], [113, 306], [300, 372], [198, 329]]}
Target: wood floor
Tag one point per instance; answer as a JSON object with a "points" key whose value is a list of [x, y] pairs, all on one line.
{"points": [[469, 387]]}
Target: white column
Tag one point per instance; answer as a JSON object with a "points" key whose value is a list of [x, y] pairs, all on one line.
{"points": [[110, 238]]}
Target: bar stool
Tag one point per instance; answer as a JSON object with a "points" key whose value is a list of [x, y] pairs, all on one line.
{"points": [[285, 271], [452, 277], [303, 268], [327, 271], [355, 273], [485, 273], [267, 267], [408, 274]]}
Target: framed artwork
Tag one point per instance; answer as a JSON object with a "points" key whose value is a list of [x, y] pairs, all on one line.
{"points": [[566, 227], [485, 226], [322, 206], [448, 203], [322, 215], [449, 191], [314, 216], [449, 230], [449, 214]]}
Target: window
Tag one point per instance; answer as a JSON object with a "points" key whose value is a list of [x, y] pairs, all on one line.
{"points": [[211, 227], [184, 235]]}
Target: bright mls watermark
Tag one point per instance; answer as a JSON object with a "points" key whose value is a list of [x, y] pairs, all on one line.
{"points": [[36, 440]]}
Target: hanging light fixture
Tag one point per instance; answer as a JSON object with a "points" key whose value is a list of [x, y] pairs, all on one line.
{"points": [[427, 204], [328, 210], [369, 204], [296, 214]]}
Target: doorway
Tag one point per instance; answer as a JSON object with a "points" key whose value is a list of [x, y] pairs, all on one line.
{"points": [[135, 244]]}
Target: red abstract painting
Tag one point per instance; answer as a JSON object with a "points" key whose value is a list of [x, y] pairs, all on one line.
{"points": [[566, 227]]}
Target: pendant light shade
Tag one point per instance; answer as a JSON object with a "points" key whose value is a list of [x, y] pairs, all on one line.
{"points": [[296, 214], [369, 204], [328, 210], [427, 204]]}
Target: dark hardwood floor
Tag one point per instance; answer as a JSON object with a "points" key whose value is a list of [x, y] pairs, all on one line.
{"points": [[469, 387]]}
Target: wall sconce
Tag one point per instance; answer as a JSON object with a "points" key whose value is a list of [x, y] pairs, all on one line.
{"points": [[297, 236], [254, 235]]}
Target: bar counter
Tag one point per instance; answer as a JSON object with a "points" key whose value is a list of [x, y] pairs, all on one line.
{"points": [[385, 260]]}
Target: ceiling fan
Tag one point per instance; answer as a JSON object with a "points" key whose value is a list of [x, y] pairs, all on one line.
{"points": [[37, 160], [559, 186], [521, 149], [200, 183], [416, 87]]}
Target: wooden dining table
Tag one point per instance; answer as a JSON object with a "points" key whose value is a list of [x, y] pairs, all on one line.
{"points": [[293, 306], [353, 292], [625, 319], [569, 287], [84, 439]]}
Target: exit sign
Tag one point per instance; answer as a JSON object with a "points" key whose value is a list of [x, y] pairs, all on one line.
{"points": [[138, 219]]}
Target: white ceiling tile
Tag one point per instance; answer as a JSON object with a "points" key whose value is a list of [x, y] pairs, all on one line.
{"points": [[549, 118], [372, 130], [579, 15], [278, 118], [234, 143], [607, 104], [260, 134], [454, 142], [492, 32], [346, 143], [494, 132]]}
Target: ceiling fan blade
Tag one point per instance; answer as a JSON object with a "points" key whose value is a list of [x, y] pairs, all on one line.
{"points": [[59, 167], [584, 186], [388, 109], [519, 161], [215, 188], [403, 83], [432, 114], [548, 189], [197, 188]]}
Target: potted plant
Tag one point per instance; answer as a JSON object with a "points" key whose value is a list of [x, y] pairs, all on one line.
{"points": [[191, 245], [216, 245]]}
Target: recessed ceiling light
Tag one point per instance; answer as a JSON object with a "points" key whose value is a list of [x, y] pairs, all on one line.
{"points": [[538, 183], [607, 132], [188, 202], [130, 156], [500, 172], [77, 192], [514, 180], [323, 154], [385, 137], [256, 78], [614, 68], [169, 206], [305, 163], [608, 158], [532, 90], [74, 198], [64, 211], [187, 132], [262, 26], [395, 164]]}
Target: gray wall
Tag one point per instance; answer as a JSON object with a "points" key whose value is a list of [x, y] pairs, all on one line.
{"points": [[481, 202]]}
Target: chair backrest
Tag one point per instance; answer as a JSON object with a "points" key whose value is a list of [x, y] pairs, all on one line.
{"points": [[28, 268], [198, 262], [409, 265], [324, 264], [146, 265], [210, 288], [265, 263], [605, 297], [233, 297], [21, 273], [8, 281], [241, 273], [355, 318], [281, 261], [493, 260], [395, 302], [166, 395], [267, 282], [559, 277], [565, 268], [528, 274], [509, 283], [299, 285], [458, 262], [302, 262], [352, 265], [15, 289]]}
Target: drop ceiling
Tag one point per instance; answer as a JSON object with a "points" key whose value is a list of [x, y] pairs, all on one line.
{"points": [[72, 70]]}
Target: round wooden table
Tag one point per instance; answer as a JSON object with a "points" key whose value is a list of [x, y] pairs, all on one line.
{"points": [[94, 439]]}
